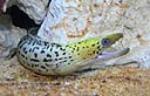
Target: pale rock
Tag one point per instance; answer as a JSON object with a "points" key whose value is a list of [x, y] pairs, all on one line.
{"points": [[36, 10], [9, 36], [75, 20]]}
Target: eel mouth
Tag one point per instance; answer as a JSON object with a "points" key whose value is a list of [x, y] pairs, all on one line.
{"points": [[105, 55]]}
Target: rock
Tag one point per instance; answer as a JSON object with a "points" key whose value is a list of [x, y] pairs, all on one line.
{"points": [[70, 21], [9, 36], [36, 10]]}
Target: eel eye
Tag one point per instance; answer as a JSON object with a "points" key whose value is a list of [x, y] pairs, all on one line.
{"points": [[106, 42]]}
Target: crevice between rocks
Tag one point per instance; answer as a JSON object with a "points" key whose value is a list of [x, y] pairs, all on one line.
{"points": [[20, 19]]}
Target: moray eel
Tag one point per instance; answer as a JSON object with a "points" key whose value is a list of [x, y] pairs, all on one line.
{"points": [[47, 58]]}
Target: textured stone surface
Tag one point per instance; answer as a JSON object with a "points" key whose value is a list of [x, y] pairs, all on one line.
{"points": [[36, 10], [109, 82], [73, 20], [9, 35]]}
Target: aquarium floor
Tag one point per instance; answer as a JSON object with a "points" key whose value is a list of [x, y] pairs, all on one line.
{"points": [[122, 81]]}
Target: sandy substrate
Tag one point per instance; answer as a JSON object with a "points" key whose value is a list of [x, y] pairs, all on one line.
{"points": [[123, 81]]}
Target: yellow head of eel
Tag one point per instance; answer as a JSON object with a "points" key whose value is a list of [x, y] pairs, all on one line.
{"points": [[92, 47]]}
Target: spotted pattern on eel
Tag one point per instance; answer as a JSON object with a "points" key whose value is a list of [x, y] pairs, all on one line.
{"points": [[47, 58]]}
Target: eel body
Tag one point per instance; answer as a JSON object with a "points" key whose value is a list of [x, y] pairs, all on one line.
{"points": [[55, 59]]}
